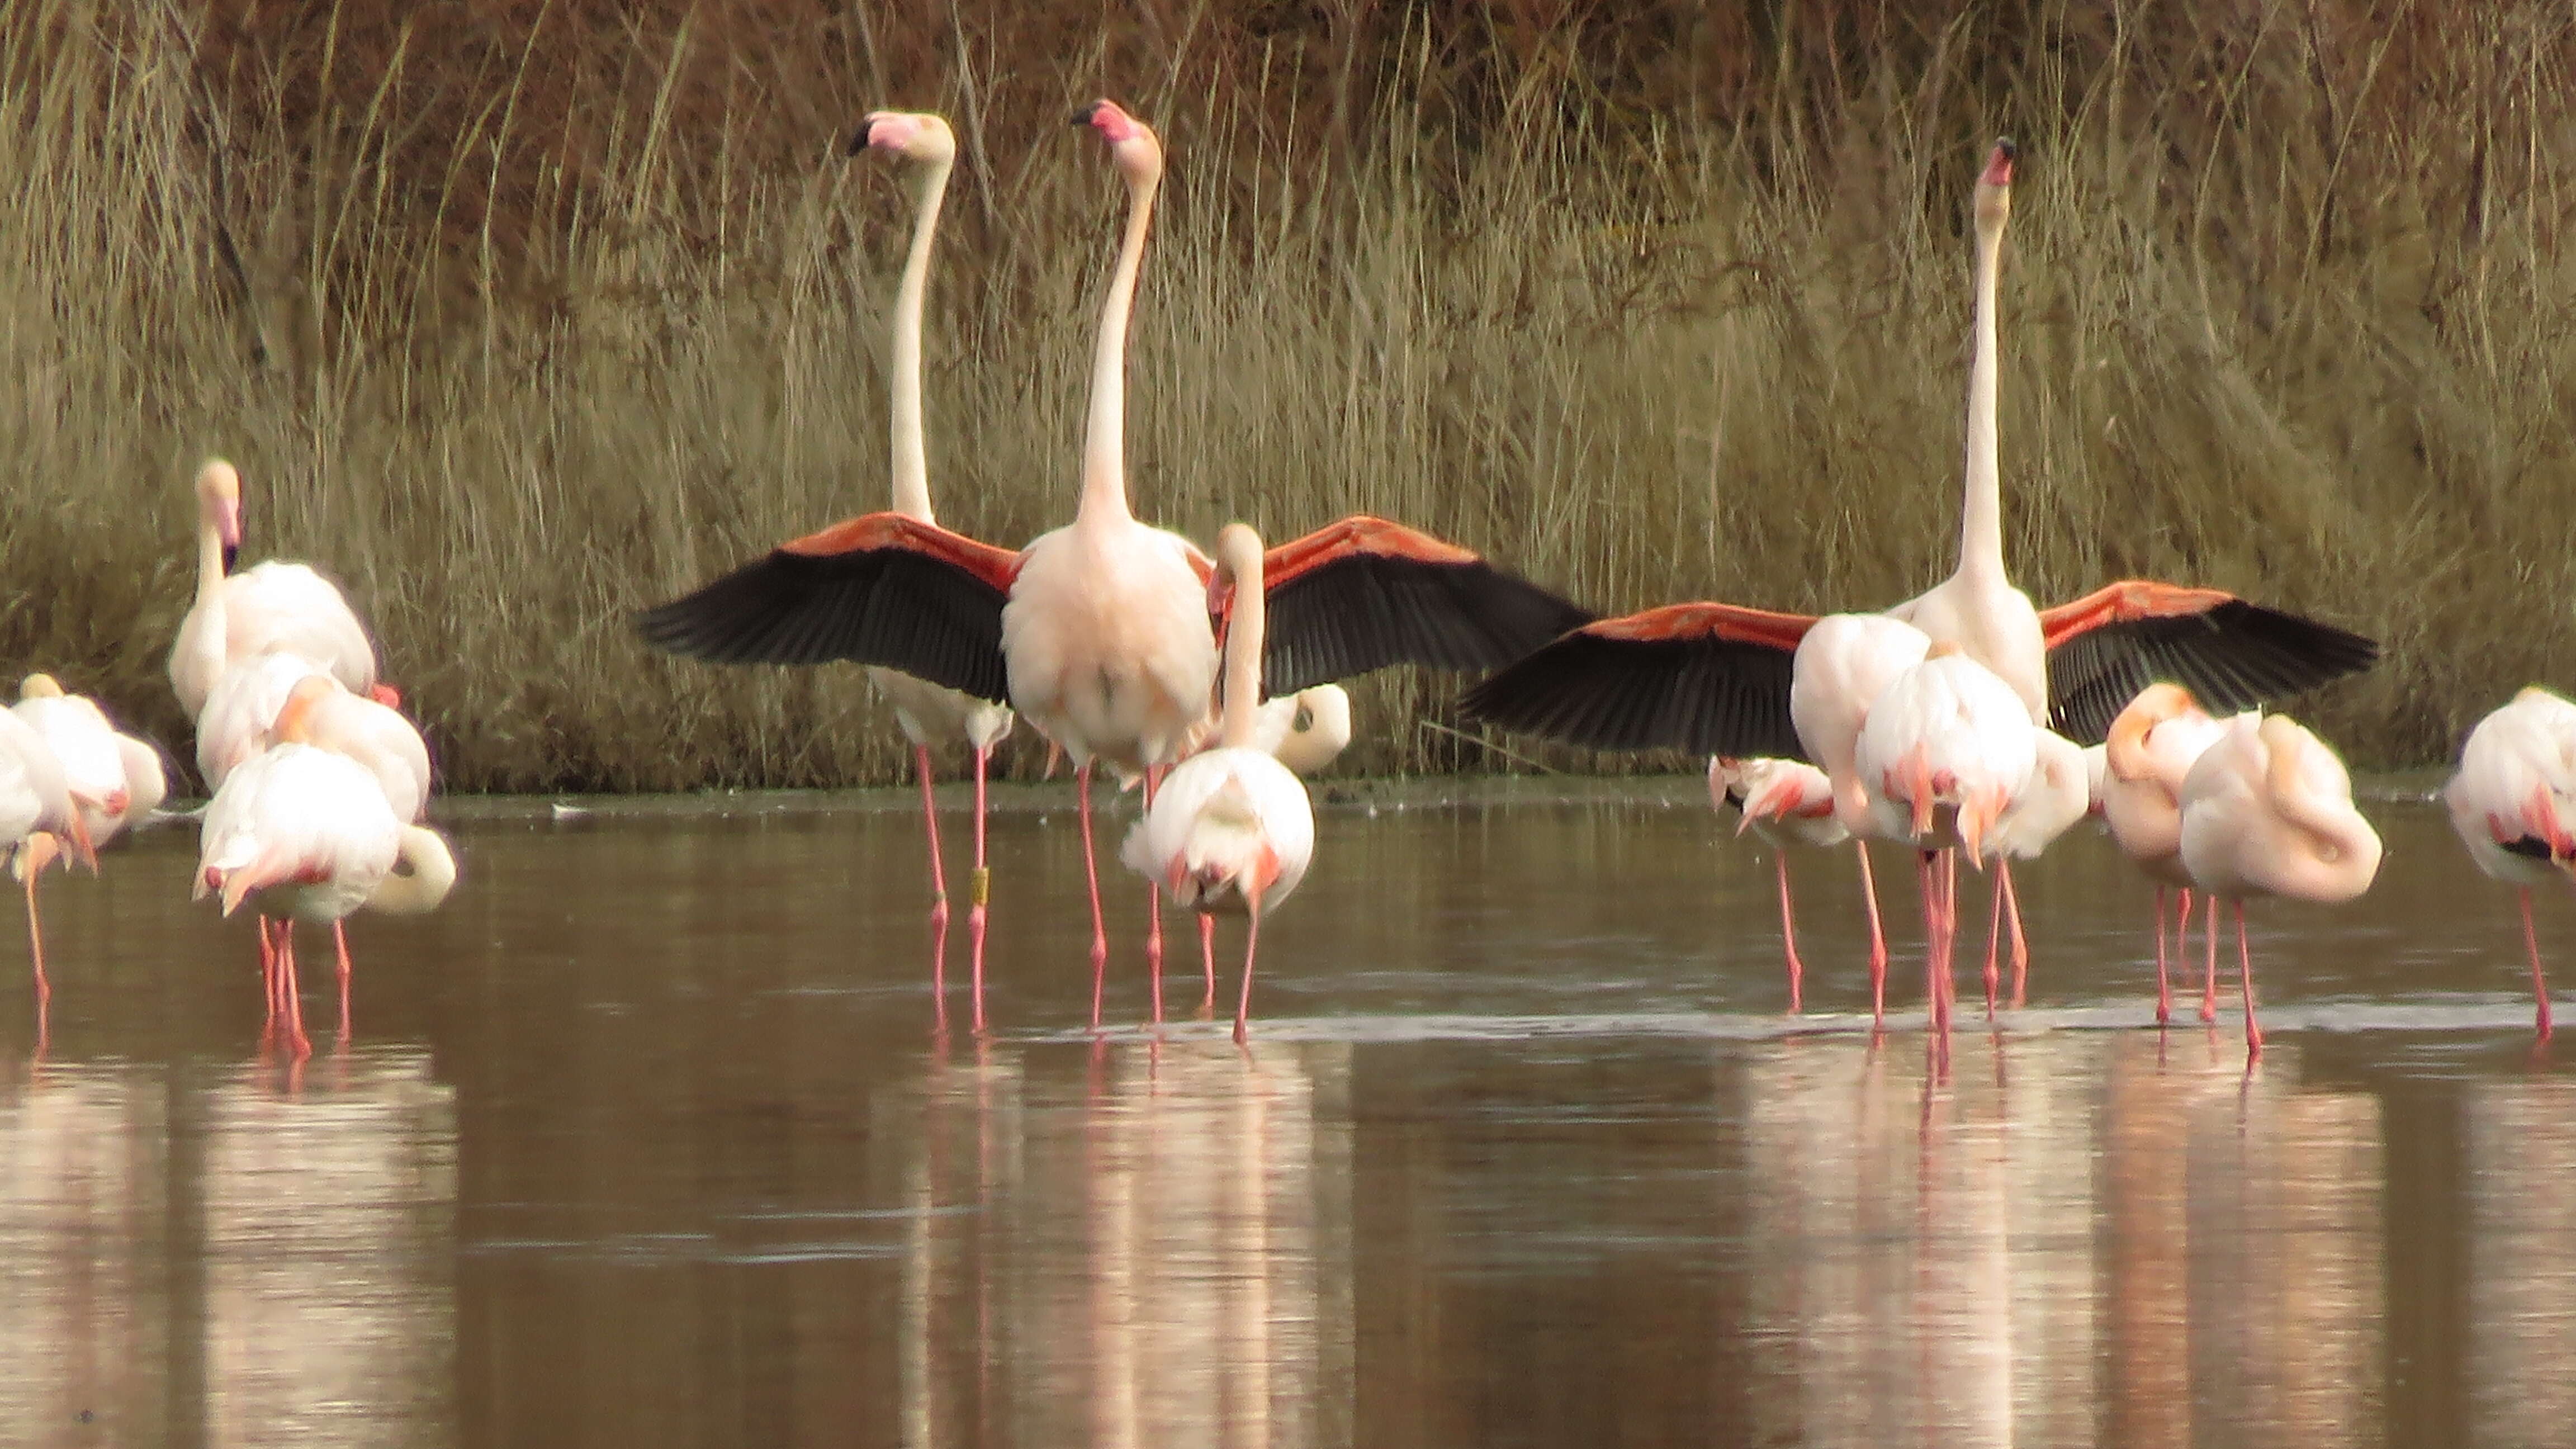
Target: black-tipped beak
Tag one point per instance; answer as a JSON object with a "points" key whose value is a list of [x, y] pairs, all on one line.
{"points": [[1083, 117], [232, 551], [2010, 151], [859, 138]]}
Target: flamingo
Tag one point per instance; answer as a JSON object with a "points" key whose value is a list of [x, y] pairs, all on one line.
{"points": [[929, 714], [1232, 829], [1838, 670], [240, 713], [2152, 747], [1305, 731], [1714, 679], [2057, 793], [37, 813], [1943, 754], [305, 833], [270, 606], [1098, 632], [113, 778], [2513, 803], [1782, 801], [2267, 810]]}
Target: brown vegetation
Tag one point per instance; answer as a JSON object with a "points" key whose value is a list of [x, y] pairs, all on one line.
{"points": [[521, 314]]}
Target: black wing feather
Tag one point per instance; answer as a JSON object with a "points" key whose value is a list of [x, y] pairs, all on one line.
{"points": [[891, 607], [2232, 656], [1704, 695], [1366, 611]]}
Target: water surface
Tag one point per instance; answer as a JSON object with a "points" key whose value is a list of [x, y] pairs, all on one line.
{"points": [[647, 1138]]}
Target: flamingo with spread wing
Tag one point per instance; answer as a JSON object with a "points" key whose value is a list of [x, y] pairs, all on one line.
{"points": [[1099, 633]]}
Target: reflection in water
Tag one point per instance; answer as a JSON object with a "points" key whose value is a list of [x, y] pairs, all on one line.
{"points": [[292, 1255], [2522, 1299]]}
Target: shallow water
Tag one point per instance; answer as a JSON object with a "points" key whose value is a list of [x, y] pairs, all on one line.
{"points": [[646, 1138]]}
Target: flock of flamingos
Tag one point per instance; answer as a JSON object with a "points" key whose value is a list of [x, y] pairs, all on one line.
{"points": [[1948, 724]]}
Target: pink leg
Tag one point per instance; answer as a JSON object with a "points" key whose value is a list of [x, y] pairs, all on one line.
{"points": [[1251, 939], [938, 892], [2164, 983], [1789, 936], [1207, 963], [2209, 980], [2245, 983], [1877, 940], [36, 945], [2021, 946], [1930, 880], [340, 941], [294, 995], [2530, 940], [1949, 931], [1994, 938], [1091, 873], [1154, 907], [267, 970], [983, 888]]}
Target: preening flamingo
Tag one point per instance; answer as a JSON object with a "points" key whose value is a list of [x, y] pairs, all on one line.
{"points": [[113, 778], [930, 715], [37, 815], [2513, 803], [305, 833], [2057, 793], [2152, 747], [1231, 829], [2267, 811], [1839, 668], [270, 606], [1782, 801], [1947, 747], [1098, 632], [1713, 679], [1305, 731]]}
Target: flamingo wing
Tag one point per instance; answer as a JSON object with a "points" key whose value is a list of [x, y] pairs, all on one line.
{"points": [[2232, 655], [883, 588], [1364, 593], [1712, 679]]}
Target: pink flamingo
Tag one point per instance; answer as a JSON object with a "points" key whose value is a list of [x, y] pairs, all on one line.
{"points": [[2151, 749], [2513, 803], [271, 606], [1098, 633], [1232, 829], [37, 814], [2267, 811], [1782, 801]]}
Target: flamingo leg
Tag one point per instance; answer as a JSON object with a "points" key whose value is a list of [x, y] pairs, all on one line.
{"points": [[2245, 983], [340, 943], [1091, 874], [938, 892], [1949, 932], [1207, 963], [1877, 940], [983, 886], [294, 994], [36, 944], [2021, 944], [1154, 907], [1789, 936], [2164, 983], [1933, 1005], [2209, 978], [2530, 941], [1251, 940], [1994, 938]]}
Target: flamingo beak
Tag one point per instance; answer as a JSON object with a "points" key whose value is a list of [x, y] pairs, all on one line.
{"points": [[38, 852], [1977, 816], [228, 527], [83, 851], [237, 888], [386, 695], [209, 879]]}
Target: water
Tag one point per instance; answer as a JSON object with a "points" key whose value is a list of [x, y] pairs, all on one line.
{"points": [[645, 1139]]}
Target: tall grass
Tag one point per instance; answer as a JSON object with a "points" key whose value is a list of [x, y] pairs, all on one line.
{"points": [[518, 322]]}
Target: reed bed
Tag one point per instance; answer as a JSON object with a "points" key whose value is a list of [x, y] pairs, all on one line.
{"points": [[520, 317]]}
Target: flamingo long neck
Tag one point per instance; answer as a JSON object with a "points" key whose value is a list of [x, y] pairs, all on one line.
{"points": [[911, 458], [1104, 456], [212, 627], [431, 875], [1241, 700], [1981, 528]]}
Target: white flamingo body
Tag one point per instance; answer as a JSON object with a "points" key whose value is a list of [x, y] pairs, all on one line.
{"points": [[272, 606], [2056, 794], [93, 756], [233, 727], [2513, 803], [1108, 643], [1943, 752], [2151, 751], [1780, 800], [298, 832], [35, 794], [377, 736], [2267, 810], [1842, 667]]}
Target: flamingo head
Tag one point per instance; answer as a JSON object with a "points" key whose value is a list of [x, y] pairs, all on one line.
{"points": [[2124, 750], [1994, 184], [219, 505], [912, 135], [295, 718], [1726, 785], [1133, 147], [40, 686]]}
